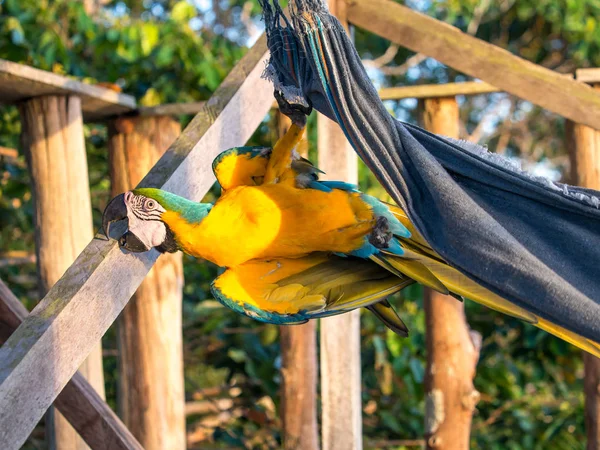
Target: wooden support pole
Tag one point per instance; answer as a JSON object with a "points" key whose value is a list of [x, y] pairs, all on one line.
{"points": [[341, 422], [298, 370], [584, 151], [477, 58], [46, 349], [53, 143], [151, 394], [79, 403], [452, 349]]}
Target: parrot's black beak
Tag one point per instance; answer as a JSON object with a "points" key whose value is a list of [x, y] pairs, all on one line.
{"points": [[116, 210]]}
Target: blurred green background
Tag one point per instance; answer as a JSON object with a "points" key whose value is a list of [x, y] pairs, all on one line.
{"points": [[179, 51]]}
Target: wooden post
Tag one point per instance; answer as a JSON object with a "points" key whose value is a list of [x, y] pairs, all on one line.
{"points": [[151, 394], [298, 372], [341, 421], [53, 142], [584, 152], [452, 350], [340, 335]]}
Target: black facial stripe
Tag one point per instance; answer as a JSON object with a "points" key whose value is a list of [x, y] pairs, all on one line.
{"points": [[147, 215]]}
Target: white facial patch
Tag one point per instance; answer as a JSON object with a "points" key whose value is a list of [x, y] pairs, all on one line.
{"points": [[143, 217], [151, 233]]}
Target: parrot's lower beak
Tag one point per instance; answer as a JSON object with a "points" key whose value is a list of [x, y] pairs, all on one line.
{"points": [[131, 242], [116, 210]]}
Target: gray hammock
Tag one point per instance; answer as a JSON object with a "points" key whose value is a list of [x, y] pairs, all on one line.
{"points": [[529, 240]]}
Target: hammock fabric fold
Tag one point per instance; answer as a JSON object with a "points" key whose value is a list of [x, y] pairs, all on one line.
{"points": [[531, 241]]}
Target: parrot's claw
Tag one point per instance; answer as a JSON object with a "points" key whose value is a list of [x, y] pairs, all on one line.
{"points": [[297, 113]]}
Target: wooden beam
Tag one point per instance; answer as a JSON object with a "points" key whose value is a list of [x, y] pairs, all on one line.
{"points": [[479, 59], [437, 90], [588, 75], [583, 144], [389, 93], [45, 351], [19, 83], [9, 152], [172, 109], [53, 142], [299, 373], [150, 341], [452, 351], [16, 257], [341, 401], [81, 405]]}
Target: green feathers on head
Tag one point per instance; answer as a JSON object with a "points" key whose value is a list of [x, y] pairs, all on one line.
{"points": [[191, 211]]}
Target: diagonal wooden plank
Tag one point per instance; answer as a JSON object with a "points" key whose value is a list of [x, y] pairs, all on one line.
{"points": [[19, 82], [78, 402], [401, 25], [45, 351]]}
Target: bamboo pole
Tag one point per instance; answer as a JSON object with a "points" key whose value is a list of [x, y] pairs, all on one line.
{"points": [[151, 392], [452, 349], [340, 335], [584, 152], [53, 142], [298, 369]]}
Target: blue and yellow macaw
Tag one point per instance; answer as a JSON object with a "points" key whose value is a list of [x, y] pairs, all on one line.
{"points": [[296, 248]]}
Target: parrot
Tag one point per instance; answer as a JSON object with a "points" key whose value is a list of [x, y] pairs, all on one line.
{"points": [[295, 248]]}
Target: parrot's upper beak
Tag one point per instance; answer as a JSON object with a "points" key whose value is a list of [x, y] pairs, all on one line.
{"points": [[116, 210]]}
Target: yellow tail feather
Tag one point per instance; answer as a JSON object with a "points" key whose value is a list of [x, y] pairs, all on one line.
{"points": [[418, 251]]}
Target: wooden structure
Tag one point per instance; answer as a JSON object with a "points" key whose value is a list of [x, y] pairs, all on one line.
{"points": [[584, 151], [53, 142], [19, 83], [401, 25], [341, 399], [452, 349], [298, 367], [45, 351], [150, 341]]}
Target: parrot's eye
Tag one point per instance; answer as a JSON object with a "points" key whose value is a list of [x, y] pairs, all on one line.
{"points": [[150, 204]]}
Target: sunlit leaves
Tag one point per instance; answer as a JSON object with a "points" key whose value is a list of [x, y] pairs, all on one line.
{"points": [[182, 11]]}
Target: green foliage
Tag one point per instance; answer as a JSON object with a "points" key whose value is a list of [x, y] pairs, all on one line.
{"points": [[172, 51]]}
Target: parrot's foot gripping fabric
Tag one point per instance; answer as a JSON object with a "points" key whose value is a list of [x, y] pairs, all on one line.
{"points": [[297, 112], [381, 235]]}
